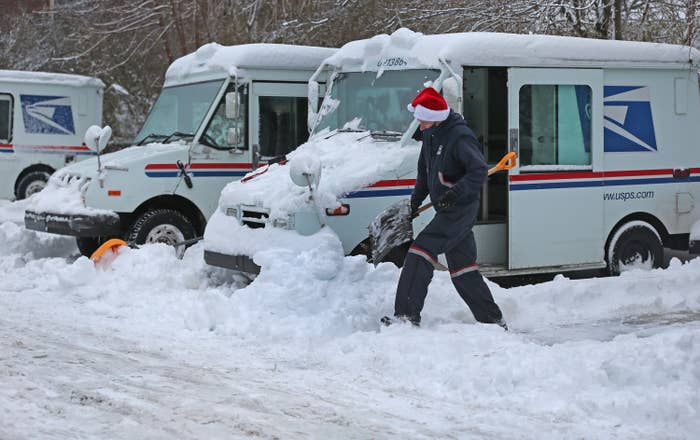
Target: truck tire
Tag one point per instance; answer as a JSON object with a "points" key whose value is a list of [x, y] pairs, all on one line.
{"points": [[161, 226], [31, 183], [635, 244], [88, 245]]}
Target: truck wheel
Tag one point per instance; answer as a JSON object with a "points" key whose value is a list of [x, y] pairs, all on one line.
{"points": [[88, 245], [635, 245], [161, 226], [32, 183]]}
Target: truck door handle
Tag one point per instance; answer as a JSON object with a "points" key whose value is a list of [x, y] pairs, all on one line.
{"points": [[187, 178]]}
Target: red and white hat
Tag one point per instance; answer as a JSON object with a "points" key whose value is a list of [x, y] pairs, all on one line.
{"points": [[429, 105]]}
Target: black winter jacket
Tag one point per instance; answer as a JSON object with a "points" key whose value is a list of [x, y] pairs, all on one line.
{"points": [[451, 158]]}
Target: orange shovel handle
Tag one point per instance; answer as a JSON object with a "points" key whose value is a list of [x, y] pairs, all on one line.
{"points": [[506, 163]]}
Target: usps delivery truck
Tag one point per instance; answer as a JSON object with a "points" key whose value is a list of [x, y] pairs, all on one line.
{"points": [[606, 134], [220, 110], [43, 117]]}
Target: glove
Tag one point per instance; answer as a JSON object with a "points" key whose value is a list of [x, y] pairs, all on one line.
{"points": [[447, 200]]}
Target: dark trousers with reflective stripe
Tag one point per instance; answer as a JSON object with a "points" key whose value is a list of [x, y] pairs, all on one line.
{"points": [[418, 269]]}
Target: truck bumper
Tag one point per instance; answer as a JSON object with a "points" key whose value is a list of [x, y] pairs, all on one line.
{"points": [[77, 225], [240, 263]]}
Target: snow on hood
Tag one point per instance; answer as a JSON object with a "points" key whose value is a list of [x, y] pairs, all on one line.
{"points": [[63, 193], [501, 49], [62, 79], [349, 161], [213, 57]]}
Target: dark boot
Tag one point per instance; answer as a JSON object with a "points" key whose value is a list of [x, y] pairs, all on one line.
{"points": [[414, 320]]}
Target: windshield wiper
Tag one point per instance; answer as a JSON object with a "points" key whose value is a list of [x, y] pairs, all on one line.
{"points": [[153, 136], [177, 135], [386, 134]]}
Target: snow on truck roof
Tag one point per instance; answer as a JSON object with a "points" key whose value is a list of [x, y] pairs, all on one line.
{"points": [[213, 59], [407, 49], [61, 79]]}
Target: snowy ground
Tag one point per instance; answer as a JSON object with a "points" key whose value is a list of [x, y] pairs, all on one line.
{"points": [[154, 347]]}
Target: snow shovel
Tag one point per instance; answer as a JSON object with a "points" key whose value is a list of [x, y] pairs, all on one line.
{"points": [[109, 248], [393, 227]]}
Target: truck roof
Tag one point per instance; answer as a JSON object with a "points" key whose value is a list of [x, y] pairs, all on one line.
{"points": [[216, 61], [61, 79], [415, 50]]}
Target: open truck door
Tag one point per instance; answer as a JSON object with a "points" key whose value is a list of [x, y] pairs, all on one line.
{"points": [[555, 119]]}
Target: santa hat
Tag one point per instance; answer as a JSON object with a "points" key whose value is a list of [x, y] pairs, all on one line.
{"points": [[429, 105]]}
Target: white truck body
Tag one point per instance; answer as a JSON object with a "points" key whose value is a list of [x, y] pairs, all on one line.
{"points": [[187, 127], [606, 134], [43, 117]]}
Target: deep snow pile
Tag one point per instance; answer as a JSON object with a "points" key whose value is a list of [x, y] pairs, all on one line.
{"points": [[315, 313]]}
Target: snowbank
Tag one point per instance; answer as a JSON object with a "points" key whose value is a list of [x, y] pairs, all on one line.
{"points": [[597, 358]]}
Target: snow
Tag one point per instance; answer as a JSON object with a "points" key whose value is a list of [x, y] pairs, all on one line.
{"points": [[156, 347], [120, 89], [63, 195], [501, 49], [63, 79], [371, 161], [695, 231], [226, 60]]}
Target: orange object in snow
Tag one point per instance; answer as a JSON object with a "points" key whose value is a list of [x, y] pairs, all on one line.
{"points": [[111, 244]]}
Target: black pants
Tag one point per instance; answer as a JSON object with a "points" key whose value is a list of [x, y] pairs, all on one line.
{"points": [[418, 269]]}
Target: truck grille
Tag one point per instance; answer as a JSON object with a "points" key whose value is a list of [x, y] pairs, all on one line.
{"points": [[254, 217]]}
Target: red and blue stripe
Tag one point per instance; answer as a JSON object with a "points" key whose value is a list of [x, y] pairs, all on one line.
{"points": [[199, 169], [385, 188], [584, 179], [47, 149]]}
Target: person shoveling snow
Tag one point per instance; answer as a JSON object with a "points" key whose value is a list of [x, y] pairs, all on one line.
{"points": [[452, 170]]}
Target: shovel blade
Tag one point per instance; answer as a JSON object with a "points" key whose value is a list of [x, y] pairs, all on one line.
{"points": [[390, 229]]}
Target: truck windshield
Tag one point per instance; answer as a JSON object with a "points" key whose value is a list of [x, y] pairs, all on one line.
{"points": [[379, 103], [179, 109]]}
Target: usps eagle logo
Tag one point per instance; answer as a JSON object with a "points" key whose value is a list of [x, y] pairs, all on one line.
{"points": [[628, 122], [47, 114]]}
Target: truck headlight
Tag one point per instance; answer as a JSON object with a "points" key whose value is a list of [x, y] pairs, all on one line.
{"points": [[284, 223], [232, 212]]}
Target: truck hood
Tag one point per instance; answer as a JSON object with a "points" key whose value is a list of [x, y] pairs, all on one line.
{"points": [[64, 192], [349, 162], [134, 158]]}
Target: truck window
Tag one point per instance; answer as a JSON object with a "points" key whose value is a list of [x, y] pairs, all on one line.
{"points": [[555, 125], [282, 124], [5, 118], [218, 126]]}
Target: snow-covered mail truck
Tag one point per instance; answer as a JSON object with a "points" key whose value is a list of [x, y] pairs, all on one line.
{"points": [[606, 133], [221, 109], [43, 117]]}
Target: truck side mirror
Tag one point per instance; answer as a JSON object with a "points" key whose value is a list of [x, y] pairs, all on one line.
{"points": [[92, 136], [256, 156], [233, 105], [313, 93], [452, 91], [233, 136], [105, 135]]}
